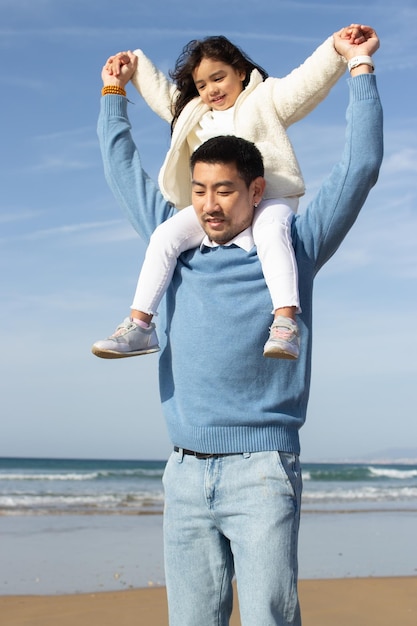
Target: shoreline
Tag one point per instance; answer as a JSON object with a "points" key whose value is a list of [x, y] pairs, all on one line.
{"points": [[137, 513], [70, 554], [361, 601]]}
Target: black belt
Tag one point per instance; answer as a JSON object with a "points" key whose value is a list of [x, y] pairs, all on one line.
{"points": [[203, 455]]}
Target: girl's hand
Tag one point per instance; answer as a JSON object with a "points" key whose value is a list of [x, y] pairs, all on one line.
{"points": [[115, 62], [119, 69], [356, 40], [353, 33]]}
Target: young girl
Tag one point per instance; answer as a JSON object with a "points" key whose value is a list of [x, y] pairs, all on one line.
{"points": [[218, 90]]}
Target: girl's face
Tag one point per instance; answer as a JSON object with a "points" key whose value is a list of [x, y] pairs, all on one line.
{"points": [[218, 83]]}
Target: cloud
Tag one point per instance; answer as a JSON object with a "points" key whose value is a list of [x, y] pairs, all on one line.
{"points": [[68, 133], [383, 242], [111, 230], [56, 163], [19, 216], [64, 300], [403, 160], [25, 82]]}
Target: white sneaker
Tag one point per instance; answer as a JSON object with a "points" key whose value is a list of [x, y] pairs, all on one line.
{"points": [[284, 341], [128, 339]]}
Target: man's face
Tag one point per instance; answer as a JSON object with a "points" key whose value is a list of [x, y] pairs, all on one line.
{"points": [[222, 202]]}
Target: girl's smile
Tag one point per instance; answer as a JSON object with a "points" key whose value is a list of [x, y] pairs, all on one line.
{"points": [[218, 83]]}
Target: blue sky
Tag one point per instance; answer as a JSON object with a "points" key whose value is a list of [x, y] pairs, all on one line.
{"points": [[69, 260]]}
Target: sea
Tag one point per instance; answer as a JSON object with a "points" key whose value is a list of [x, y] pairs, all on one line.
{"points": [[30, 486], [84, 525]]}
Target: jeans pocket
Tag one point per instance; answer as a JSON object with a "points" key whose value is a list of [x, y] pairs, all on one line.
{"points": [[289, 464], [174, 457]]}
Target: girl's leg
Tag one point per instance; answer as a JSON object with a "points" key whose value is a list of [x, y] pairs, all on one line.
{"points": [[136, 335], [272, 235], [181, 232]]}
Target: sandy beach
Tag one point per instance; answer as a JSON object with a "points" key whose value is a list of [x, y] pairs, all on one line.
{"points": [[345, 602]]}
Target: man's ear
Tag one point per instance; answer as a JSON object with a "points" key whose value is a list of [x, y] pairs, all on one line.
{"points": [[258, 189]]}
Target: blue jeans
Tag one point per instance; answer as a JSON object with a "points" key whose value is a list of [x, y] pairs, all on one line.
{"points": [[232, 515]]}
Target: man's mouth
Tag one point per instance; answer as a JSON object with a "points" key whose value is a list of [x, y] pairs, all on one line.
{"points": [[214, 222]]}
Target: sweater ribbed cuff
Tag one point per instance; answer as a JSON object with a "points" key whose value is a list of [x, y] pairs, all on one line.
{"points": [[114, 106], [363, 86]]}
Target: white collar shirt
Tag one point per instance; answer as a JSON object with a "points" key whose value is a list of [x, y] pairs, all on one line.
{"points": [[243, 240]]}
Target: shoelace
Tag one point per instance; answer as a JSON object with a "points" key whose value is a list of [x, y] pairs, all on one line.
{"points": [[123, 329], [280, 332]]}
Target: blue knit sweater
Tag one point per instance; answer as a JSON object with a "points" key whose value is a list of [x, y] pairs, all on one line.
{"points": [[219, 394]]}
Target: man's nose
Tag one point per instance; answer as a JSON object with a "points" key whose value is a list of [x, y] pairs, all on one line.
{"points": [[210, 203]]}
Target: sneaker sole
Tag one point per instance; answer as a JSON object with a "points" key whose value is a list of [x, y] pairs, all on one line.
{"points": [[112, 354], [280, 354]]}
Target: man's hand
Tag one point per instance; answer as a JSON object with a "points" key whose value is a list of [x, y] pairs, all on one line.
{"points": [[119, 69]]}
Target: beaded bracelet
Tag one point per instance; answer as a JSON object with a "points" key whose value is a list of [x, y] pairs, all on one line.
{"points": [[113, 89]]}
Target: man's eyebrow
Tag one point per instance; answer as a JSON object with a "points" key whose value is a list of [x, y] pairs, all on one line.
{"points": [[220, 183]]}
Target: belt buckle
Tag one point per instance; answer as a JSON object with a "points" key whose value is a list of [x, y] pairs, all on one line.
{"points": [[204, 455]]}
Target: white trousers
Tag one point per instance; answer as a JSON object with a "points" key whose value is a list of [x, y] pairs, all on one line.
{"points": [[271, 230]]}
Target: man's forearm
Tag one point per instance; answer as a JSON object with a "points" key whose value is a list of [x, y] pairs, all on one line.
{"points": [[332, 213]]}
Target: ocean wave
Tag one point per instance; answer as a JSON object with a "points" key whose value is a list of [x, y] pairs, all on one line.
{"points": [[398, 474], [37, 503], [357, 473], [81, 476], [70, 476], [370, 494], [41, 487]]}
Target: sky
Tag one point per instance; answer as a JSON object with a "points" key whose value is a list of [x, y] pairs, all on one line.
{"points": [[69, 260]]}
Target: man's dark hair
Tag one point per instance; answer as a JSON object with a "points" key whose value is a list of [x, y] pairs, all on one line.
{"points": [[229, 149]]}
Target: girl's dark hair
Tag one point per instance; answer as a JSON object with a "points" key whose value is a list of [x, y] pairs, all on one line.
{"points": [[218, 48]]}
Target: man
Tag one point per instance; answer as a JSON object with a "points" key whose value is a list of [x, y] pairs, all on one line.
{"points": [[233, 482]]}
